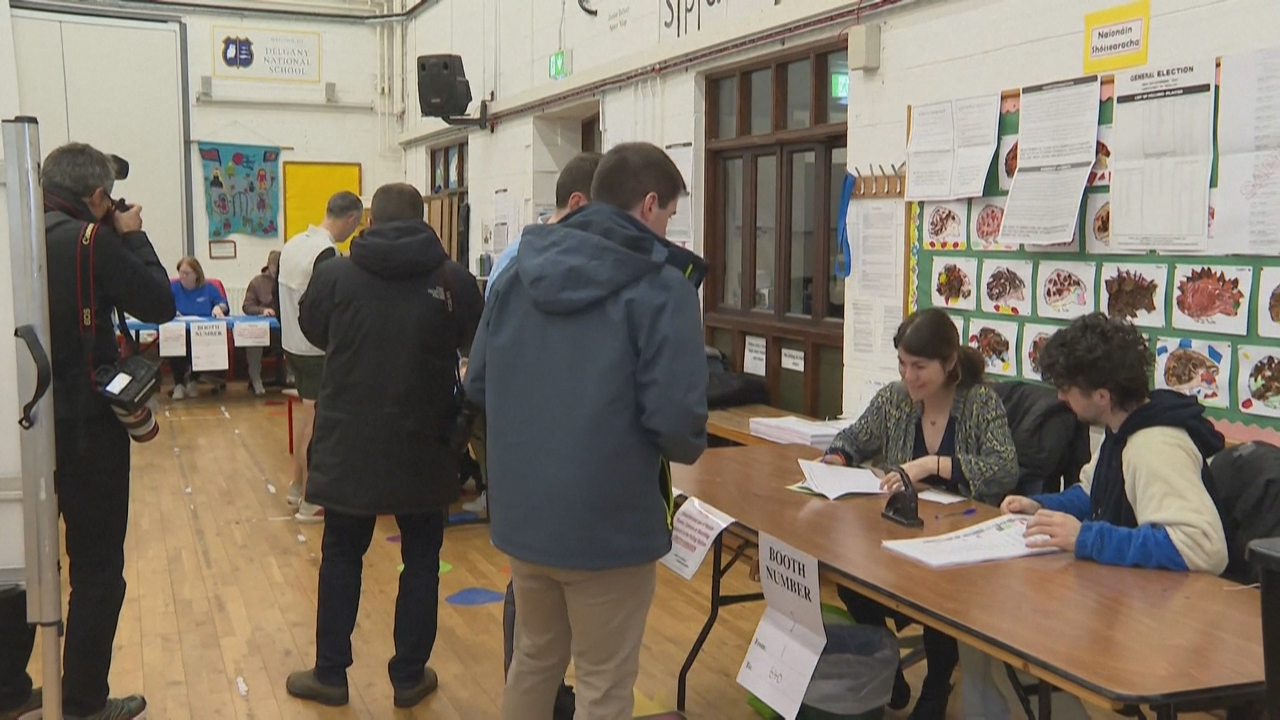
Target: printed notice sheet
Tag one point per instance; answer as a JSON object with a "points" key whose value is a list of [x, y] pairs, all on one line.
{"points": [[951, 146], [875, 244], [173, 339], [1162, 157], [977, 123], [1001, 538], [790, 637], [1248, 197], [251, 333], [209, 346], [931, 152], [834, 481], [695, 527], [1057, 146]]}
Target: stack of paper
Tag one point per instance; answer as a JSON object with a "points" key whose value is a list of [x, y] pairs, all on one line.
{"points": [[797, 431], [1002, 538], [834, 481]]}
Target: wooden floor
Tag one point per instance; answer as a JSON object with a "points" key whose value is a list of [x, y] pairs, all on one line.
{"points": [[222, 593]]}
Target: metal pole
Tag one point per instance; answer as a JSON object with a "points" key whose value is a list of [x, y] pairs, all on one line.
{"points": [[31, 321]]}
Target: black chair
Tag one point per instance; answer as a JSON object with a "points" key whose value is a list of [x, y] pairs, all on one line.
{"points": [[1052, 445]]}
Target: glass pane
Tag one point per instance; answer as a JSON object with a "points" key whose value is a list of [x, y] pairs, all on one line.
{"points": [[731, 295], [837, 87], [727, 108], [830, 382], [804, 230], [454, 175], [799, 94], [835, 289], [766, 230], [791, 383], [462, 166], [437, 162], [762, 102]]}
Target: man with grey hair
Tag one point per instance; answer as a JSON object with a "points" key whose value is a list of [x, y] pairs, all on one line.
{"points": [[299, 258], [92, 444]]}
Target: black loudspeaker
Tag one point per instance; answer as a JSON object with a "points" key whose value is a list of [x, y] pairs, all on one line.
{"points": [[443, 90]]}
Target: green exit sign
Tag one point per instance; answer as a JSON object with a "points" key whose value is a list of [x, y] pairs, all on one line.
{"points": [[840, 86], [559, 66]]}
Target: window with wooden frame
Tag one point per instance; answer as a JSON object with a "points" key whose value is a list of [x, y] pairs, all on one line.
{"points": [[447, 195], [776, 137]]}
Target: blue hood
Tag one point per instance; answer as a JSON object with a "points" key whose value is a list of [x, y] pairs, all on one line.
{"points": [[592, 254]]}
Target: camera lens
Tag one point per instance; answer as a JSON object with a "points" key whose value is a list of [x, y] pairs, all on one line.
{"points": [[141, 423]]}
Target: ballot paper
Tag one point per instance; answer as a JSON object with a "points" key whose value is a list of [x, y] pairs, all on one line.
{"points": [[696, 526], [1057, 146], [1001, 538], [835, 481], [939, 497], [790, 637]]}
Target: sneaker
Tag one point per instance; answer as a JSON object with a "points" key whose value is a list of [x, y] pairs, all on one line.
{"points": [[479, 506], [134, 706], [193, 389], [304, 685], [179, 392], [258, 389], [309, 514], [295, 495], [29, 709], [410, 696]]}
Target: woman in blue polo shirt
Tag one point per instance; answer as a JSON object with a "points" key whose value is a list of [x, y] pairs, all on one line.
{"points": [[193, 297]]}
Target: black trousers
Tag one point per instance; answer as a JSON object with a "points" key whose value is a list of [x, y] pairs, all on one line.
{"points": [[346, 539], [92, 483], [940, 650]]}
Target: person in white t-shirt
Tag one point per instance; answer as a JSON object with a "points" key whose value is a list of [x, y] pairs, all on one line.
{"points": [[298, 259]]}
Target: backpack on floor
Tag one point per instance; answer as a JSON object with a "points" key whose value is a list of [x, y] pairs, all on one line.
{"points": [[1246, 489]]}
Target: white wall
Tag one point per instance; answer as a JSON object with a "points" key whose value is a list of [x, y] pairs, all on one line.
{"points": [[963, 48], [60, 79], [350, 59], [506, 53]]}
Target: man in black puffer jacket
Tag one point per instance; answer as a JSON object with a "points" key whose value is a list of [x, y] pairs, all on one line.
{"points": [[392, 319]]}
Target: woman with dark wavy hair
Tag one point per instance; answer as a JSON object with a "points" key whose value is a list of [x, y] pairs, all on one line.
{"points": [[939, 425]]}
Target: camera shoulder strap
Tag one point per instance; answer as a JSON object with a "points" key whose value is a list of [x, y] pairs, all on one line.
{"points": [[86, 299], [86, 296]]}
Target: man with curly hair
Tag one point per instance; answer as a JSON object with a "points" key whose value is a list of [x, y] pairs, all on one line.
{"points": [[1144, 500]]}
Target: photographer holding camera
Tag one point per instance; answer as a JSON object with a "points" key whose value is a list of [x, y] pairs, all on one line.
{"points": [[100, 264]]}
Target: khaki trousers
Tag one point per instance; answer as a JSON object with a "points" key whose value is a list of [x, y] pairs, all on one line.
{"points": [[595, 618]]}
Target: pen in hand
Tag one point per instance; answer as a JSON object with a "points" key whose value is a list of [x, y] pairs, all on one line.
{"points": [[958, 513]]}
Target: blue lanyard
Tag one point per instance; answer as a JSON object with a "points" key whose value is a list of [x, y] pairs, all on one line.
{"points": [[845, 266]]}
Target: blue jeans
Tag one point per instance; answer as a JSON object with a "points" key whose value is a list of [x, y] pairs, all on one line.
{"points": [[346, 539]]}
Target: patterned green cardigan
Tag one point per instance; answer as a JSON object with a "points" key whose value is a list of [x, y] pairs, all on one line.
{"points": [[984, 444]]}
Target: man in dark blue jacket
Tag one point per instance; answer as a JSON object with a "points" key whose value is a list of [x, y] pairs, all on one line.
{"points": [[590, 366]]}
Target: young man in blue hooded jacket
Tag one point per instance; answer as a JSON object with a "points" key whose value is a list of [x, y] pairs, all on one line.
{"points": [[590, 368]]}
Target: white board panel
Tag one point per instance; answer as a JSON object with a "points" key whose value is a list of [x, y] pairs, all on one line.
{"points": [[41, 91], [146, 130]]}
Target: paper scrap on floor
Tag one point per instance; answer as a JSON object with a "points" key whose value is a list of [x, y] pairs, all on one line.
{"points": [[942, 498], [1001, 538], [834, 481]]}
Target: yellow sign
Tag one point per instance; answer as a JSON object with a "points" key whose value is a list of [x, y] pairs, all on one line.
{"points": [[1116, 38]]}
